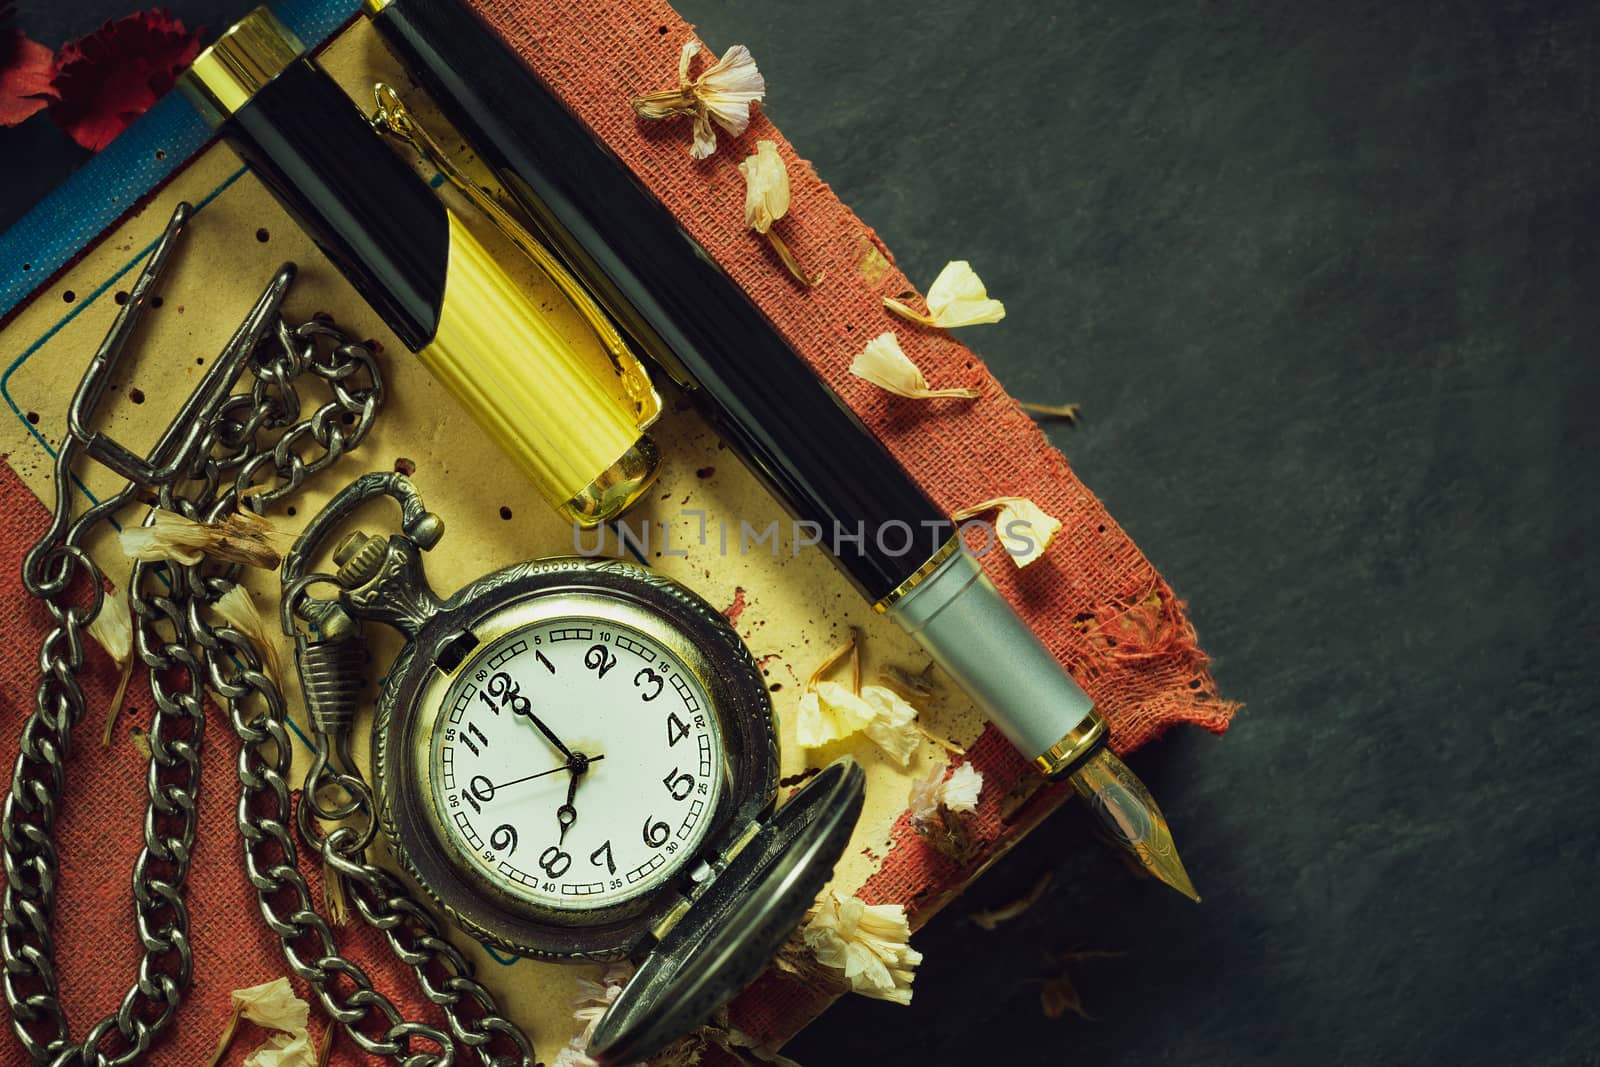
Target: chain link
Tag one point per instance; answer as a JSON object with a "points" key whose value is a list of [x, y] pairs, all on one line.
{"points": [[256, 449]]}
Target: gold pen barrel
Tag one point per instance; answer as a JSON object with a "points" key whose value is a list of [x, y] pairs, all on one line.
{"points": [[504, 360]]}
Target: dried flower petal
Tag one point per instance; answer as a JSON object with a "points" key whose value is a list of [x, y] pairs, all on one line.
{"points": [[238, 609], [284, 1050], [1069, 412], [1024, 529], [830, 712], [272, 1005], [868, 942], [885, 365], [956, 792], [113, 627], [956, 298], [572, 1055], [722, 94], [766, 191], [961, 789], [729, 87], [927, 793], [242, 537], [894, 723], [112, 76], [26, 68], [589, 1004]]}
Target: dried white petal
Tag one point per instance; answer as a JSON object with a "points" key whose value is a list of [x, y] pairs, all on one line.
{"points": [[885, 365], [1023, 528], [284, 1050], [927, 793], [831, 712], [691, 48], [723, 94], [273, 1005], [960, 791], [572, 1055], [705, 138], [589, 1004], [242, 537], [828, 713], [894, 723], [766, 190], [729, 87], [869, 943], [238, 609], [113, 627], [957, 298], [957, 792]]}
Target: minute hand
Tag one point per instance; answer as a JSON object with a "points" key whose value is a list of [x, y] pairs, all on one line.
{"points": [[543, 729]]}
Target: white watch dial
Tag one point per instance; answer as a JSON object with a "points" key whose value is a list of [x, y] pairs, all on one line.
{"points": [[647, 747]]}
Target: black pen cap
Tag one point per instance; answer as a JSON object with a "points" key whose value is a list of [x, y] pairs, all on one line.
{"points": [[835, 476]]}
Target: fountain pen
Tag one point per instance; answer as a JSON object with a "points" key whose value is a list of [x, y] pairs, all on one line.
{"points": [[895, 545]]}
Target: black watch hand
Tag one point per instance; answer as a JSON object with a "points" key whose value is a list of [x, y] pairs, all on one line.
{"points": [[541, 774], [543, 729], [566, 814]]}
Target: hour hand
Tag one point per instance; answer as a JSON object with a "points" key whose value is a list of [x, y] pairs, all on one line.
{"points": [[566, 814]]}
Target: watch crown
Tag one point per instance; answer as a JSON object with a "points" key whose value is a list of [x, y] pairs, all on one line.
{"points": [[359, 557]]}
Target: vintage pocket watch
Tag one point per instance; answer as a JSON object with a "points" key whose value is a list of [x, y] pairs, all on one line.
{"points": [[577, 760]]}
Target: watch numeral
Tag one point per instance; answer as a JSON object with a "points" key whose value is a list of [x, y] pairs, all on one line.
{"points": [[645, 677], [599, 659], [472, 728], [604, 850], [551, 667], [504, 837], [656, 833], [677, 729], [478, 789], [509, 692], [679, 785], [554, 862]]}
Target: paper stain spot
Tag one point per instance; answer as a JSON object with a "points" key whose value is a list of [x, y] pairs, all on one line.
{"points": [[69, 296], [136, 395], [733, 611], [505, 512], [402, 465], [263, 236], [33, 417], [705, 472]]}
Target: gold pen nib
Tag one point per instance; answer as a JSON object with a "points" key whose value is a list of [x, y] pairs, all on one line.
{"points": [[1126, 807]]}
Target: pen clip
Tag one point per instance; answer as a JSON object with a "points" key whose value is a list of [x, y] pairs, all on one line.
{"points": [[391, 116]]}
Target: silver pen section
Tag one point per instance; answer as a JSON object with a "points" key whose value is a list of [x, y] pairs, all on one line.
{"points": [[958, 616]]}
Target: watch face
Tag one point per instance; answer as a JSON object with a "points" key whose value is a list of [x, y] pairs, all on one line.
{"points": [[618, 816]]}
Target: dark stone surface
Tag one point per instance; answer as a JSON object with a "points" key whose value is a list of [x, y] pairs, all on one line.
{"points": [[1324, 277]]}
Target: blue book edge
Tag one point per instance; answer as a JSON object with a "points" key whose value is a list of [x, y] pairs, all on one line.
{"points": [[51, 236]]}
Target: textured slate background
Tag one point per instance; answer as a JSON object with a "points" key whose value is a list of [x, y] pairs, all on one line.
{"points": [[1324, 277]]}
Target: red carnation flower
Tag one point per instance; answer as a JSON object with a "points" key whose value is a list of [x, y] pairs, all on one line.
{"points": [[106, 80], [25, 71]]}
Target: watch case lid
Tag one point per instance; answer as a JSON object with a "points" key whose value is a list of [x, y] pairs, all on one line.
{"points": [[737, 923]]}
